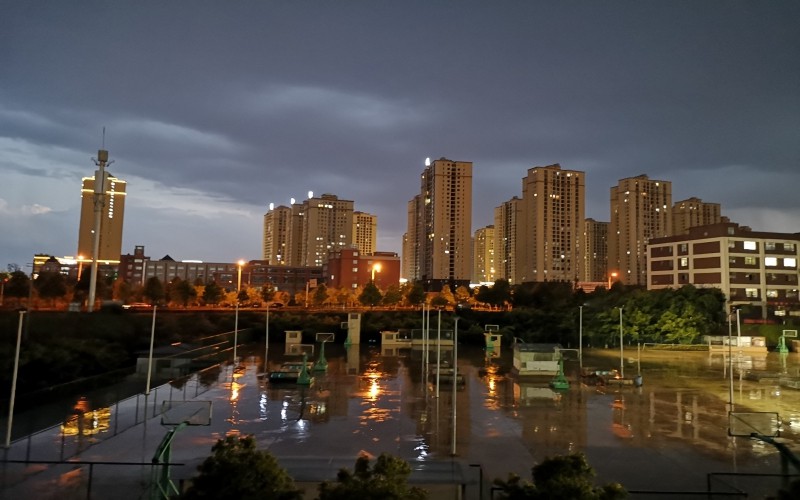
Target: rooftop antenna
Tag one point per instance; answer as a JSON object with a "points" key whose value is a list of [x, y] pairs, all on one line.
{"points": [[99, 202]]}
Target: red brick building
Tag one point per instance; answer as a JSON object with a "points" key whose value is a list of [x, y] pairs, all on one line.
{"points": [[349, 268]]}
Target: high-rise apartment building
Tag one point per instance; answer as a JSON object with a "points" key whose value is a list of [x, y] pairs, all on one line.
{"points": [[442, 230], [694, 212], [303, 234], [641, 209], [277, 228], [412, 247], [365, 232], [506, 218], [595, 251], [112, 217], [483, 255], [553, 207], [327, 224]]}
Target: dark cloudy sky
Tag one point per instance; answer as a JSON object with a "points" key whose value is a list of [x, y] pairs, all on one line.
{"points": [[214, 110]]}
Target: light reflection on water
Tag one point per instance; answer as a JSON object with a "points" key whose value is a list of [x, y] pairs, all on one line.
{"points": [[371, 403]]}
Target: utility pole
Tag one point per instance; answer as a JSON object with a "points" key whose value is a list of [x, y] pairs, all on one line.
{"points": [[99, 203]]}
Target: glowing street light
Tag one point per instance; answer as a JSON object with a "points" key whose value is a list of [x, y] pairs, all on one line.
{"points": [[376, 268], [610, 277], [621, 359], [236, 320]]}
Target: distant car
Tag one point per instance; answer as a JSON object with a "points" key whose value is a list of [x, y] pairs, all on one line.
{"points": [[276, 305], [138, 306]]}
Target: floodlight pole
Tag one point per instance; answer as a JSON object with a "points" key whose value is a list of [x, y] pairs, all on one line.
{"points": [[14, 380], [438, 352], [266, 341], [150, 357], [455, 384], [621, 358], [99, 203], [580, 338]]}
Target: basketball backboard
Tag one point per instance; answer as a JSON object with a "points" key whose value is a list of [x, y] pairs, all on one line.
{"points": [[746, 424], [186, 412], [326, 337]]}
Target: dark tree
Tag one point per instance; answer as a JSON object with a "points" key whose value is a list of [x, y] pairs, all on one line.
{"points": [[416, 294], [50, 285], [212, 293], [320, 295], [386, 480], [154, 290], [567, 476], [267, 292], [18, 286], [236, 469], [370, 296], [181, 292], [393, 296]]}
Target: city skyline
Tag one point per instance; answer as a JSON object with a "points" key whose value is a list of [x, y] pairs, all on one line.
{"points": [[244, 106]]}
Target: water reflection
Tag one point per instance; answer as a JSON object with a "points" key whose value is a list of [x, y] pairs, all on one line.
{"points": [[372, 400]]}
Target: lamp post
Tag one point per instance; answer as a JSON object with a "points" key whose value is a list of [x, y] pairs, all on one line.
{"points": [[455, 384], [150, 357], [438, 351], [80, 266], [99, 203], [621, 362], [376, 268], [610, 276], [14, 380], [580, 338], [266, 342], [236, 317]]}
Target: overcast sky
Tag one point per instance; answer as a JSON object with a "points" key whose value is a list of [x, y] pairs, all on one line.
{"points": [[214, 110]]}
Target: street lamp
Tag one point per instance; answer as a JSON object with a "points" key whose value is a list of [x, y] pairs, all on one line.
{"points": [[236, 320], [455, 383], [80, 266], [376, 268], [580, 338], [621, 359], [610, 276], [14, 379], [150, 357]]}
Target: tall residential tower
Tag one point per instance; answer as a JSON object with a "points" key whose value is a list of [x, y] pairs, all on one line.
{"points": [[553, 207], [641, 209], [440, 225], [112, 217]]}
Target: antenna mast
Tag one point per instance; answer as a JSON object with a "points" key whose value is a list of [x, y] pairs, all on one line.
{"points": [[99, 203]]}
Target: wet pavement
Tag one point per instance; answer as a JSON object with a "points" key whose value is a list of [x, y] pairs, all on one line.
{"points": [[667, 435]]}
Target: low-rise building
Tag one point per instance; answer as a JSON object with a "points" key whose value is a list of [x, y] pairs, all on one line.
{"points": [[751, 268]]}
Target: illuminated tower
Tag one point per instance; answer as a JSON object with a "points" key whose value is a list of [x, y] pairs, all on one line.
{"points": [[595, 251], [326, 224], [693, 212], [506, 218], [640, 209], [365, 227], [112, 212], [551, 229], [483, 255], [277, 223], [442, 228]]}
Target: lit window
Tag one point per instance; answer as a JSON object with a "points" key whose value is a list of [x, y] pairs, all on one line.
{"points": [[750, 261], [789, 262], [769, 245], [789, 247], [772, 294], [750, 245], [751, 293], [770, 261]]}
